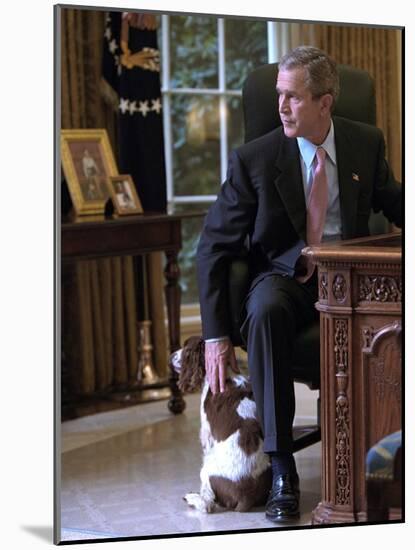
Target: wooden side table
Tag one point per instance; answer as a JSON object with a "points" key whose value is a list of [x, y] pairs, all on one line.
{"points": [[360, 299], [132, 236]]}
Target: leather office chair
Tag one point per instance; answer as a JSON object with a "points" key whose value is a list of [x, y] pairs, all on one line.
{"points": [[260, 105]]}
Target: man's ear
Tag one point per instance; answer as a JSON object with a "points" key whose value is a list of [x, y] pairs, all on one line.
{"points": [[326, 102]]}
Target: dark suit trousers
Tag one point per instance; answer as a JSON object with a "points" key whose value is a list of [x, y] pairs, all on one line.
{"points": [[277, 307]]}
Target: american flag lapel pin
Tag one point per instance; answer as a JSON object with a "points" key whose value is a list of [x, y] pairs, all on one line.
{"points": [[355, 177]]}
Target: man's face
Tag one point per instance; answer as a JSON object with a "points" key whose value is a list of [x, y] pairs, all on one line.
{"points": [[301, 115]]}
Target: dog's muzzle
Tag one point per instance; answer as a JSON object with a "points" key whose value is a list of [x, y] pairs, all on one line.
{"points": [[176, 360]]}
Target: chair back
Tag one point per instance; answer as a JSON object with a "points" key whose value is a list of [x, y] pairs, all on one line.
{"points": [[260, 99]]}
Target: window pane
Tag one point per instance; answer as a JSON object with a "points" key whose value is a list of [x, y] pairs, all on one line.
{"points": [[194, 51], [196, 150], [235, 122], [246, 49], [191, 228]]}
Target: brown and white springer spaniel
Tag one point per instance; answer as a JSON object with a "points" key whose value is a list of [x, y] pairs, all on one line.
{"points": [[236, 473]]}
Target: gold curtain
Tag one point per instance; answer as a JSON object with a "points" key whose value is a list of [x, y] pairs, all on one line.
{"points": [[99, 317], [377, 51]]}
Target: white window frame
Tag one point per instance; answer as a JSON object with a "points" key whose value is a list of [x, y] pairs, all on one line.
{"points": [[278, 42]]}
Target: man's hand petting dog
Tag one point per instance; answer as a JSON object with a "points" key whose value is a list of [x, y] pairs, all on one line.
{"points": [[218, 355]]}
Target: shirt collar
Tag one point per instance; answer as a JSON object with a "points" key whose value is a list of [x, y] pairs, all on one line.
{"points": [[308, 149]]}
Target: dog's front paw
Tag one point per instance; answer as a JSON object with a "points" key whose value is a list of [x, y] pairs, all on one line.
{"points": [[196, 501], [192, 499]]}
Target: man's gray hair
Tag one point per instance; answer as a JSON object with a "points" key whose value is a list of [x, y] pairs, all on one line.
{"points": [[321, 71]]}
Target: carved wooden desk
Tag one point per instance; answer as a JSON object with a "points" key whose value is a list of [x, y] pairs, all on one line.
{"points": [[360, 295], [134, 235]]}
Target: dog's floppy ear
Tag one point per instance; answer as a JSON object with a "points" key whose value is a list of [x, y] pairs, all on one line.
{"points": [[192, 370]]}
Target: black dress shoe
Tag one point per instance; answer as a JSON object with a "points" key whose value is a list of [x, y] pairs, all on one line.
{"points": [[283, 500]]}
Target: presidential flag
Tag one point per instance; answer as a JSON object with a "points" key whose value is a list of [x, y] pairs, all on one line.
{"points": [[131, 66]]}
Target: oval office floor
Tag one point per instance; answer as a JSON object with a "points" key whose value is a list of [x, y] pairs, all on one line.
{"points": [[127, 450]]}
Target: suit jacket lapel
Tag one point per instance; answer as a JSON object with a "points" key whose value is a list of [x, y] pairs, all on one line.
{"points": [[348, 174], [289, 184]]}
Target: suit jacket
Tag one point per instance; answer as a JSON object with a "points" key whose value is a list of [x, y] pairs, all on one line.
{"points": [[262, 200]]}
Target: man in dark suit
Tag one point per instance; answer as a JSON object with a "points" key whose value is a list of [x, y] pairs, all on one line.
{"points": [[270, 197]]}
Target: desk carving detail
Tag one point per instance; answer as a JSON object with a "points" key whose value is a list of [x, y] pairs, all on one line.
{"points": [[374, 288], [384, 381], [339, 288], [324, 293], [367, 336], [342, 413], [382, 348]]}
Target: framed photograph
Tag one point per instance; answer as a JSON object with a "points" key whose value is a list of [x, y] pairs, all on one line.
{"points": [[88, 162], [124, 195]]}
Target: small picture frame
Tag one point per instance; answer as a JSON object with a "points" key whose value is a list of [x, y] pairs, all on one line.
{"points": [[87, 162], [124, 195]]}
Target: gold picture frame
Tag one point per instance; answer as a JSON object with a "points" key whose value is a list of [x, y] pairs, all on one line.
{"points": [[88, 162], [124, 195]]}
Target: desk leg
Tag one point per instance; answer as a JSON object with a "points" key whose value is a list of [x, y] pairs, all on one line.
{"points": [[337, 433], [173, 297]]}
